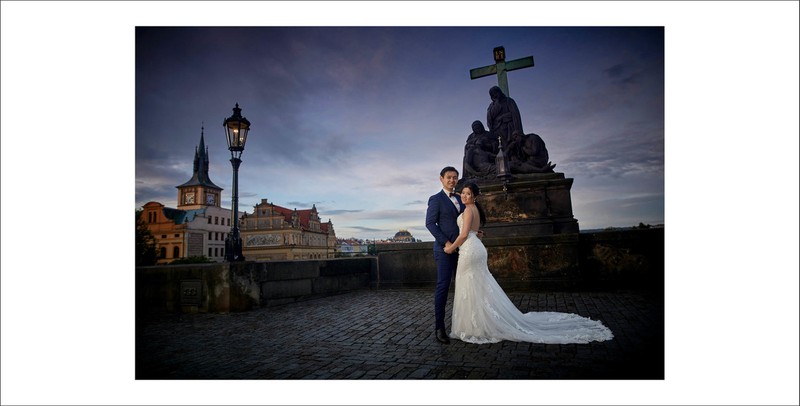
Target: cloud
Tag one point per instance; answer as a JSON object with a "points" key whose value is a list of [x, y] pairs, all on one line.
{"points": [[623, 211], [624, 74], [372, 129], [340, 212], [637, 150], [364, 229]]}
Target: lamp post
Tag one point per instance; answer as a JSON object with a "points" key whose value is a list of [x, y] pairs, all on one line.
{"points": [[236, 129], [502, 167]]}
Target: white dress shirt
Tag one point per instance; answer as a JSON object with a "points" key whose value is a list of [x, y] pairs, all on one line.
{"points": [[453, 199]]}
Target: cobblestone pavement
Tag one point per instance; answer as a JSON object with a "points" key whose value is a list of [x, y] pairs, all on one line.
{"points": [[388, 334]]}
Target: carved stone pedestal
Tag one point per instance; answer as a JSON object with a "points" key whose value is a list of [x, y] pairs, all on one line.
{"points": [[537, 204]]}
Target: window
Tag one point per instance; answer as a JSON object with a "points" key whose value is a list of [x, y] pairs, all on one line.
{"points": [[177, 235], [216, 220], [209, 251], [176, 252], [209, 219], [215, 251], [163, 253], [163, 236], [209, 235]]}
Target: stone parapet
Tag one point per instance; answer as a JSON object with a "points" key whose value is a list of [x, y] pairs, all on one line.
{"points": [[603, 260], [241, 286], [590, 260]]}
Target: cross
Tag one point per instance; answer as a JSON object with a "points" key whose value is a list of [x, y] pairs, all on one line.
{"points": [[501, 67]]}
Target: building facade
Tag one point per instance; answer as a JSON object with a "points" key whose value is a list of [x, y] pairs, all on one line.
{"points": [[273, 232], [199, 226], [186, 233], [352, 247], [403, 236]]}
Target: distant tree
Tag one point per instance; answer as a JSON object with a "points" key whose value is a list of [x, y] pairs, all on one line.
{"points": [[197, 259], [642, 225], [146, 253]]}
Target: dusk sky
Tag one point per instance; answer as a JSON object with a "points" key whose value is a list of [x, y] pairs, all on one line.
{"points": [[694, 126], [360, 120]]}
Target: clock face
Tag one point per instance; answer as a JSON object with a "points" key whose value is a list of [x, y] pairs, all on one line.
{"points": [[210, 199], [188, 198]]}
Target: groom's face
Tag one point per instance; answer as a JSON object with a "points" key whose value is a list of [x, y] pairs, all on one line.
{"points": [[449, 180]]}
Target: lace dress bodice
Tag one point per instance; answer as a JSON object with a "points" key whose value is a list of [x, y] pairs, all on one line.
{"points": [[472, 250], [460, 223]]}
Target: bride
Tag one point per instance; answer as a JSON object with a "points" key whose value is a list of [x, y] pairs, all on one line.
{"points": [[482, 313]]}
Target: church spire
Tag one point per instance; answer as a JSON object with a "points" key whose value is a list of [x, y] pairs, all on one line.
{"points": [[204, 150], [202, 140], [201, 163]]}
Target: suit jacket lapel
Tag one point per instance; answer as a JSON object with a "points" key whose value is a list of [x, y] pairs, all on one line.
{"points": [[450, 202]]}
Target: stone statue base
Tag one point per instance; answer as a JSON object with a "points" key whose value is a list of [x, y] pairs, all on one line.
{"points": [[534, 204]]}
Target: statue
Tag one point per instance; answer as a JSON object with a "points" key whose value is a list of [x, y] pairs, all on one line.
{"points": [[502, 115], [524, 195], [528, 154], [523, 153], [479, 154]]}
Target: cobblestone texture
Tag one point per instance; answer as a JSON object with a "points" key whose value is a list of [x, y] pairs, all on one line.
{"points": [[388, 334]]}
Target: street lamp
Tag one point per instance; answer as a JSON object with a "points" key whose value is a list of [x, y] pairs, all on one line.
{"points": [[236, 129], [502, 166]]}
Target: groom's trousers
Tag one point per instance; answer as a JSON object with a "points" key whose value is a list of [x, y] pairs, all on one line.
{"points": [[445, 270]]}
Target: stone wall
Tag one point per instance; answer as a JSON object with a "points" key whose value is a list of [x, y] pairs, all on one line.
{"points": [[241, 286], [622, 259], [631, 259], [597, 260]]}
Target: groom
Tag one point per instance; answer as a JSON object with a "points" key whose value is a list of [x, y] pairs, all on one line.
{"points": [[440, 219]]}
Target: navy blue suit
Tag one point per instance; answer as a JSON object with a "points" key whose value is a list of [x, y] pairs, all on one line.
{"points": [[440, 220]]}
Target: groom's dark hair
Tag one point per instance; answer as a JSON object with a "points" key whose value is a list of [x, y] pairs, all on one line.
{"points": [[448, 169]]}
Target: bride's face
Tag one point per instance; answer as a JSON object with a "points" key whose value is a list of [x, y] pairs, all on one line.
{"points": [[466, 196]]}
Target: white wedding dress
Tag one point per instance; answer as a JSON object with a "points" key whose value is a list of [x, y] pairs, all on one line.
{"points": [[482, 313]]}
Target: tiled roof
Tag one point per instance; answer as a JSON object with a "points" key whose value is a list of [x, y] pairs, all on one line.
{"points": [[176, 215], [179, 216], [200, 171], [304, 216]]}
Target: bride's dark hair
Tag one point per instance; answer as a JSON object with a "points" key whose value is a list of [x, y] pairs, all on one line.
{"points": [[476, 191]]}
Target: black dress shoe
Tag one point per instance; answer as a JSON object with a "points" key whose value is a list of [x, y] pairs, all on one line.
{"points": [[442, 337]]}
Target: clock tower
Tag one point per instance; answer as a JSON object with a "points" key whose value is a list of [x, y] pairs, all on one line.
{"points": [[199, 191]]}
